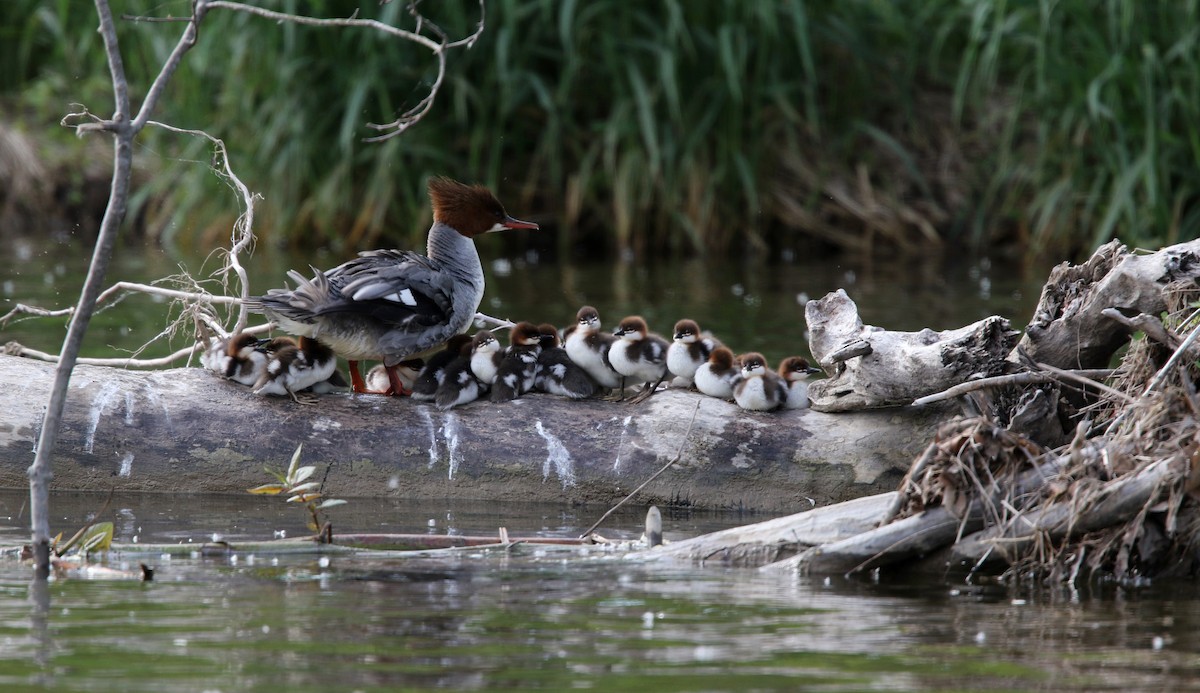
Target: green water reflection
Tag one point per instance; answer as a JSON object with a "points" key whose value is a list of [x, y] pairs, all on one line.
{"points": [[551, 620]]}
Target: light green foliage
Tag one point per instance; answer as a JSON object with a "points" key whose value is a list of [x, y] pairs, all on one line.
{"points": [[667, 125], [294, 484]]}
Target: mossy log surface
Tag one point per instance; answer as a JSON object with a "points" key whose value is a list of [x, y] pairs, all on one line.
{"points": [[184, 430]]}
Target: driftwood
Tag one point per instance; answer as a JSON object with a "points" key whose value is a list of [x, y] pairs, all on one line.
{"points": [[773, 540], [1123, 497], [187, 430], [1116, 503], [1068, 329], [872, 367]]}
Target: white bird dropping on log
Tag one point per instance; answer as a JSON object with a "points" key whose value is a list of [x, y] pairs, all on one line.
{"points": [[653, 526]]}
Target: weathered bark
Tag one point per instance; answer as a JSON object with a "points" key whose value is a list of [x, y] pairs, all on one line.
{"points": [[1068, 329], [872, 367], [186, 430]]}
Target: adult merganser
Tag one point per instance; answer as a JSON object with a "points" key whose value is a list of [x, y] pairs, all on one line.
{"points": [[377, 378], [239, 358], [486, 356], [557, 374], [459, 386], [293, 368], [588, 347], [760, 388], [717, 377], [393, 305], [639, 355], [795, 371], [689, 350], [519, 368], [425, 387]]}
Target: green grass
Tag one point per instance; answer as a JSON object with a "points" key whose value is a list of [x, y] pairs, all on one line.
{"points": [[671, 126]]}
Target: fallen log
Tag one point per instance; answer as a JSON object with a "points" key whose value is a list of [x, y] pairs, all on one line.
{"points": [[186, 430], [871, 367], [773, 540]]}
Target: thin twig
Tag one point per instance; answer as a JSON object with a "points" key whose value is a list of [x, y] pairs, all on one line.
{"points": [[413, 115], [1169, 366], [242, 239], [1087, 382], [22, 309], [634, 492]]}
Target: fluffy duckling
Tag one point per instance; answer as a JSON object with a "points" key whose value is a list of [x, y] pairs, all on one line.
{"points": [[795, 371], [588, 347], [760, 388], [377, 378], [518, 369], [718, 375], [459, 385], [557, 374], [239, 358], [689, 350], [486, 356], [640, 356], [424, 388], [295, 367]]}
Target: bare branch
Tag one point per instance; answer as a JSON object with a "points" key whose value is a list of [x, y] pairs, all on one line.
{"points": [[1028, 378], [313, 21], [15, 349], [22, 309], [168, 69]]}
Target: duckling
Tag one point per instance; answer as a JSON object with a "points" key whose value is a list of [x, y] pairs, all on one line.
{"points": [[640, 356], [459, 385], [377, 378], [425, 387], [588, 347], [486, 356], [689, 350], [557, 374], [795, 371], [760, 388], [717, 376], [518, 370], [293, 368], [239, 358]]}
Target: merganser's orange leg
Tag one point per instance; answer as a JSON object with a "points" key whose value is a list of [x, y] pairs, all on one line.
{"points": [[358, 385], [356, 380], [397, 389]]}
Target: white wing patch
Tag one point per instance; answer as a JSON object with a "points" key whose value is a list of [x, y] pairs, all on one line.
{"points": [[404, 296]]}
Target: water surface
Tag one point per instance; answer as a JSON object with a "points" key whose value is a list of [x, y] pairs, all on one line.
{"points": [[548, 619]]}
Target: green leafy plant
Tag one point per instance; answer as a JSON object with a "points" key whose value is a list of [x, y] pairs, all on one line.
{"points": [[295, 484], [90, 538]]}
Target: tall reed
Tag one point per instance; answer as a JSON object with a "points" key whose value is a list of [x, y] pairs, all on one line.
{"points": [[673, 126]]}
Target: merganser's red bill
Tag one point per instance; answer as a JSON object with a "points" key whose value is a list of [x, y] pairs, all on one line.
{"points": [[510, 223]]}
